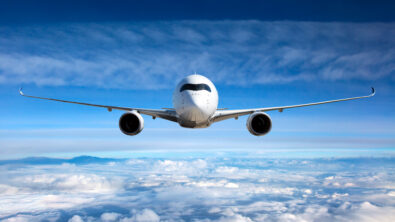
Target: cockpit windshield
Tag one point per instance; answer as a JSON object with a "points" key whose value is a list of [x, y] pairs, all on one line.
{"points": [[195, 87]]}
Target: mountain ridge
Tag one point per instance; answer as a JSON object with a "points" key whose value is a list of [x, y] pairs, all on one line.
{"points": [[80, 160]]}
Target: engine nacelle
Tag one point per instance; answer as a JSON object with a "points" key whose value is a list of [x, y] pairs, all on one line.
{"points": [[259, 123], [131, 123]]}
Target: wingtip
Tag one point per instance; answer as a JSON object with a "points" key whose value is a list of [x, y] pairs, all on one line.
{"points": [[20, 91], [373, 91]]}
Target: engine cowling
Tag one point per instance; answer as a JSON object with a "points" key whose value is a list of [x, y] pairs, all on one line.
{"points": [[131, 123], [259, 123]]}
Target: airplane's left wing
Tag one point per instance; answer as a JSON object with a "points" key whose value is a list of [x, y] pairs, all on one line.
{"points": [[164, 114], [227, 114]]}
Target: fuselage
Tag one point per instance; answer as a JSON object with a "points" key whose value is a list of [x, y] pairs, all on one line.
{"points": [[195, 101]]}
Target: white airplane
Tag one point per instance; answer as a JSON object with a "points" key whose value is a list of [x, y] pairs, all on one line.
{"points": [[195, 102]]}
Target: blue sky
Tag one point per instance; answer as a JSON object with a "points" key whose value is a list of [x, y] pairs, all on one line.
{"points": [[333, 162], [47, 11], [253, 63]]}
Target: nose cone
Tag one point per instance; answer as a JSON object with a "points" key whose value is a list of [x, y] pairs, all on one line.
{"points": [[197, 107]]}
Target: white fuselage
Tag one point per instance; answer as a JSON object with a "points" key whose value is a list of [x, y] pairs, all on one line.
{"points": [[195, 101]]}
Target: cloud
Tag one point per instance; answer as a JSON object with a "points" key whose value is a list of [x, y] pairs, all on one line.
{"points": [[221, 183], [367, 212], [185, 166], [87, 183], [233, 217], [146, 215], [107, 217], [311, 213], [227, 187], [145, 55], [44, 216], [18, 219], [7, 190], [76, 218]]}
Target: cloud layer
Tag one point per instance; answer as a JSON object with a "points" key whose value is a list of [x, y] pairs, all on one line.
{"points": [[154, 55], [229, 187]]}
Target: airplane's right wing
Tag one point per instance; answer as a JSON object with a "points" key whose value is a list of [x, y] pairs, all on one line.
{"points": [[227, 114], [164, 114]]}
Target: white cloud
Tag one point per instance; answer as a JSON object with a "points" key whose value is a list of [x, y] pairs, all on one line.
{"points": [[107, 217], [391, 193], [235, 218], [229, 214], [339, 195], [7, 190], [131, 55], [146, 215], [366, 212], [273, 190], [269, 206], [221, 183], [226, 170], [311, 213], [89, 183], [18, 219], [45, 216], [41, 201], [76, 218], [200, 189], [187, 168]]}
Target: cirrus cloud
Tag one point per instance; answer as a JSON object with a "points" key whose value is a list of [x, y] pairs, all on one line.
{"points": [[152, 55]]}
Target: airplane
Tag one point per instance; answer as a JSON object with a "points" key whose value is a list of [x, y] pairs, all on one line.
{"points": [[195, 101]]}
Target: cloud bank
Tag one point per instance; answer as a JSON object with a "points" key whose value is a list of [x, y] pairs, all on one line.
{"points": [[153, 55], [229, 187]]}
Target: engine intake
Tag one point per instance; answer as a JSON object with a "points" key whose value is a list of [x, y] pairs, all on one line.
{"points": [[131, 123], [259, 123]]}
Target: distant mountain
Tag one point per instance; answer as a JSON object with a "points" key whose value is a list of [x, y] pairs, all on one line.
{"points": [[90, 159], [79, 160]]}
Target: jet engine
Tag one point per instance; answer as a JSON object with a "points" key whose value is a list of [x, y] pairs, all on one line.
{"points": [[259, 123], [131, 123]]}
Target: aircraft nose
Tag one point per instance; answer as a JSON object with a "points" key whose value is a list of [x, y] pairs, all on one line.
{"points": [[197, 101], [198, 106]]}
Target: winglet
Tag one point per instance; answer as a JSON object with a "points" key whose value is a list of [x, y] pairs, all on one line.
{"points": [[373, 92], [20, 91]]}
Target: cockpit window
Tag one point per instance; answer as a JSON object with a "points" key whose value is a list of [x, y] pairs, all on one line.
{"points": [[195, 87]]}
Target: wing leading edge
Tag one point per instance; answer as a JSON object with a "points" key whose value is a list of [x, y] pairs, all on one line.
{"points": [[227, 114], [164, 114]]}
